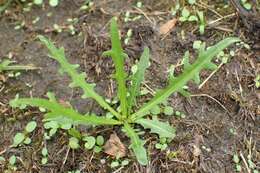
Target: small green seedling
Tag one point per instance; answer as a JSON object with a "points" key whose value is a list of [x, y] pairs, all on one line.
{"points": [[94, 143], [186, 16], [99, 143], [88, 4], [118, 162], [236, 160], [90, 142], [5, 65], [128, 113], [74, 143], [162, 144], [202, 22], [44, 153], [128, 36], [20, 138], [12, 163]]}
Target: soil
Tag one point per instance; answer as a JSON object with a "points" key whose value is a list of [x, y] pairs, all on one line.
{"points": [[222, 118]]}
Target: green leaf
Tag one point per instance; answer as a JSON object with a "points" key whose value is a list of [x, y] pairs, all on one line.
{"points": [[18, 139], [51, 125], [73, 143], [138, 78], [37, 2], [137, 145], [66, 126], [30, 126], [189, 73], [78, 79], [235, 158], [238, 168], [164, 130], [197, 44], [44, 151], [192, 2], [12, 160], [100, 140], [27, 141], [202, 22], [57, 110], [53, 3], [44, 160], [155, 110], [114, 164], [90, 142], [193, 18], [118, 56], [168, 110], [185, 13], [247, 6], [5, 66], [75, 133], [97, 149]]}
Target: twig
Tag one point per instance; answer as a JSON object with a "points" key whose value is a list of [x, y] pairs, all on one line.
{"points": [[221, 18], [118, 170], [65, 159], [207, 7], [141, 11], [244, 160], [206, 95], [212, 73]]}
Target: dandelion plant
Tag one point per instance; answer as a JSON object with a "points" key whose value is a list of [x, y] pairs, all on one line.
{"points": [[128, 114]]}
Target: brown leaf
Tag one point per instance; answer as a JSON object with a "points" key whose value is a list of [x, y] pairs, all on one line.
{"points": [[115, 147], [168, 26], [2, 78]]}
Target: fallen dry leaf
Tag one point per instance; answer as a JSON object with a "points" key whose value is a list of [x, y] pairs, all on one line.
{"points": [[168, 26], [115, 147], [2, 78]]}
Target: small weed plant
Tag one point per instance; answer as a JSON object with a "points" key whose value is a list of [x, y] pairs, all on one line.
{"points": [[128, 114]]}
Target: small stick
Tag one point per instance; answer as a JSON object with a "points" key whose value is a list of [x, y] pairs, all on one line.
{"points": [[206, 95], [141, 11], [244, 160], [203, 83], [221, 18]]}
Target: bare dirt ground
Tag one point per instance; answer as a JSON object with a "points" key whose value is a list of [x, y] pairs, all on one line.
{"points": [[222, 118]]}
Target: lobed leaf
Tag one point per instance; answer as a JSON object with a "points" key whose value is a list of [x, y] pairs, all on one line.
{"points": [[118, 56], [138, 78], [160, 128], [78, 80], [137, 145], [57, 110], [191, 72]]}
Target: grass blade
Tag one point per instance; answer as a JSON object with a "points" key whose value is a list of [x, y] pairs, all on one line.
{"points": [[5, 66], [118, 56], [160, 128], [189, 73], [78, 80], [57, 110], [137, 145], [138, 77]]}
